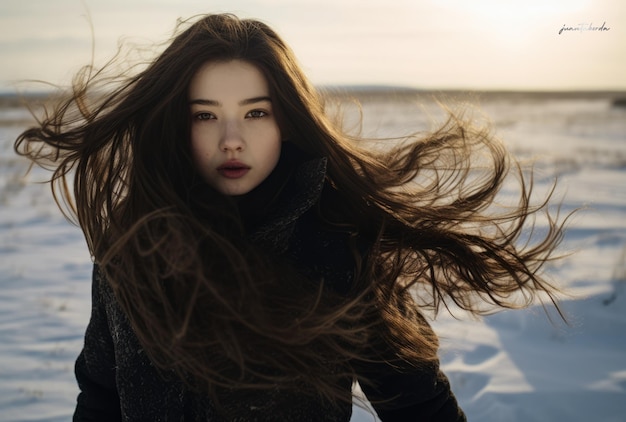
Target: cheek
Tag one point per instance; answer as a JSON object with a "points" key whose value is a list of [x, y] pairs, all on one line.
{"points": [[273, 155], [200, 147], [273, 145]]}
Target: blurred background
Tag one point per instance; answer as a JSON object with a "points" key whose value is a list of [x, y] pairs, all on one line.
{"points": [[482, 44]]}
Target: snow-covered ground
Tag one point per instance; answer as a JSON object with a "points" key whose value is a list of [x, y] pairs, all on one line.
{"points": [[513, 366]]}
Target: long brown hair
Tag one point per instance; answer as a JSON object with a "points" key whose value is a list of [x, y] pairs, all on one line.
{"points": [[207, 304]]}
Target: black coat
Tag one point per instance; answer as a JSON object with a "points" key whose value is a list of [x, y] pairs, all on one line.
{"points": [[118, 381]]}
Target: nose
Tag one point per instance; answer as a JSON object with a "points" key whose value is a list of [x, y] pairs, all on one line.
{"points": [[232, 139]]}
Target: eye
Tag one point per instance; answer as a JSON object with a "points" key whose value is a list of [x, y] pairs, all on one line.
{"points": [[256, 114], [204, 116]]}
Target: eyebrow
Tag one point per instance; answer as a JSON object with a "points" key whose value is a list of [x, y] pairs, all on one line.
{"points": [[247, 101]]}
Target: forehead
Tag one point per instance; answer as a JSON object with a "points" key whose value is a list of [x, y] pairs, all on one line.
{"points": [[234, 79]]}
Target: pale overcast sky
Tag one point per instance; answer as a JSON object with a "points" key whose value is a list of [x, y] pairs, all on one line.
{"points": [[478, 44]]}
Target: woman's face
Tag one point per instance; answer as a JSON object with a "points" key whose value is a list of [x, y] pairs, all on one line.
{"points": [[235, 138]]}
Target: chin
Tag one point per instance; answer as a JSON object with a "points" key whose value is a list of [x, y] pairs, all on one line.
{"points": [[238, 191]]}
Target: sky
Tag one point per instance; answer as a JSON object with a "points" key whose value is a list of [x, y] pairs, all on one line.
{"points": [[430, 44]]}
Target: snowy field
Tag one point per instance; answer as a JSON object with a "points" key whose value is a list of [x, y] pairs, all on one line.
{"points": [[514, 366]]}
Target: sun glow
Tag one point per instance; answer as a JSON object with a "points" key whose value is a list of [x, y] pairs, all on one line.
{"points": [[514, 21]]}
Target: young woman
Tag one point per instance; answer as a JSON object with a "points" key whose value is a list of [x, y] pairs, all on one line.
{"points": [[253, 260]]}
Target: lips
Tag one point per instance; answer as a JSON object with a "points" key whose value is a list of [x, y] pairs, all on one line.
{"points": [[233, 169]]}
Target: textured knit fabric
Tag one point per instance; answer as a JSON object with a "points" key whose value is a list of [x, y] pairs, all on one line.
{"points": [[119, 383]]}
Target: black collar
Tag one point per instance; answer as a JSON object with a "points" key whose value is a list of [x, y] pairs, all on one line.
{"points": [[291, 197]]}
